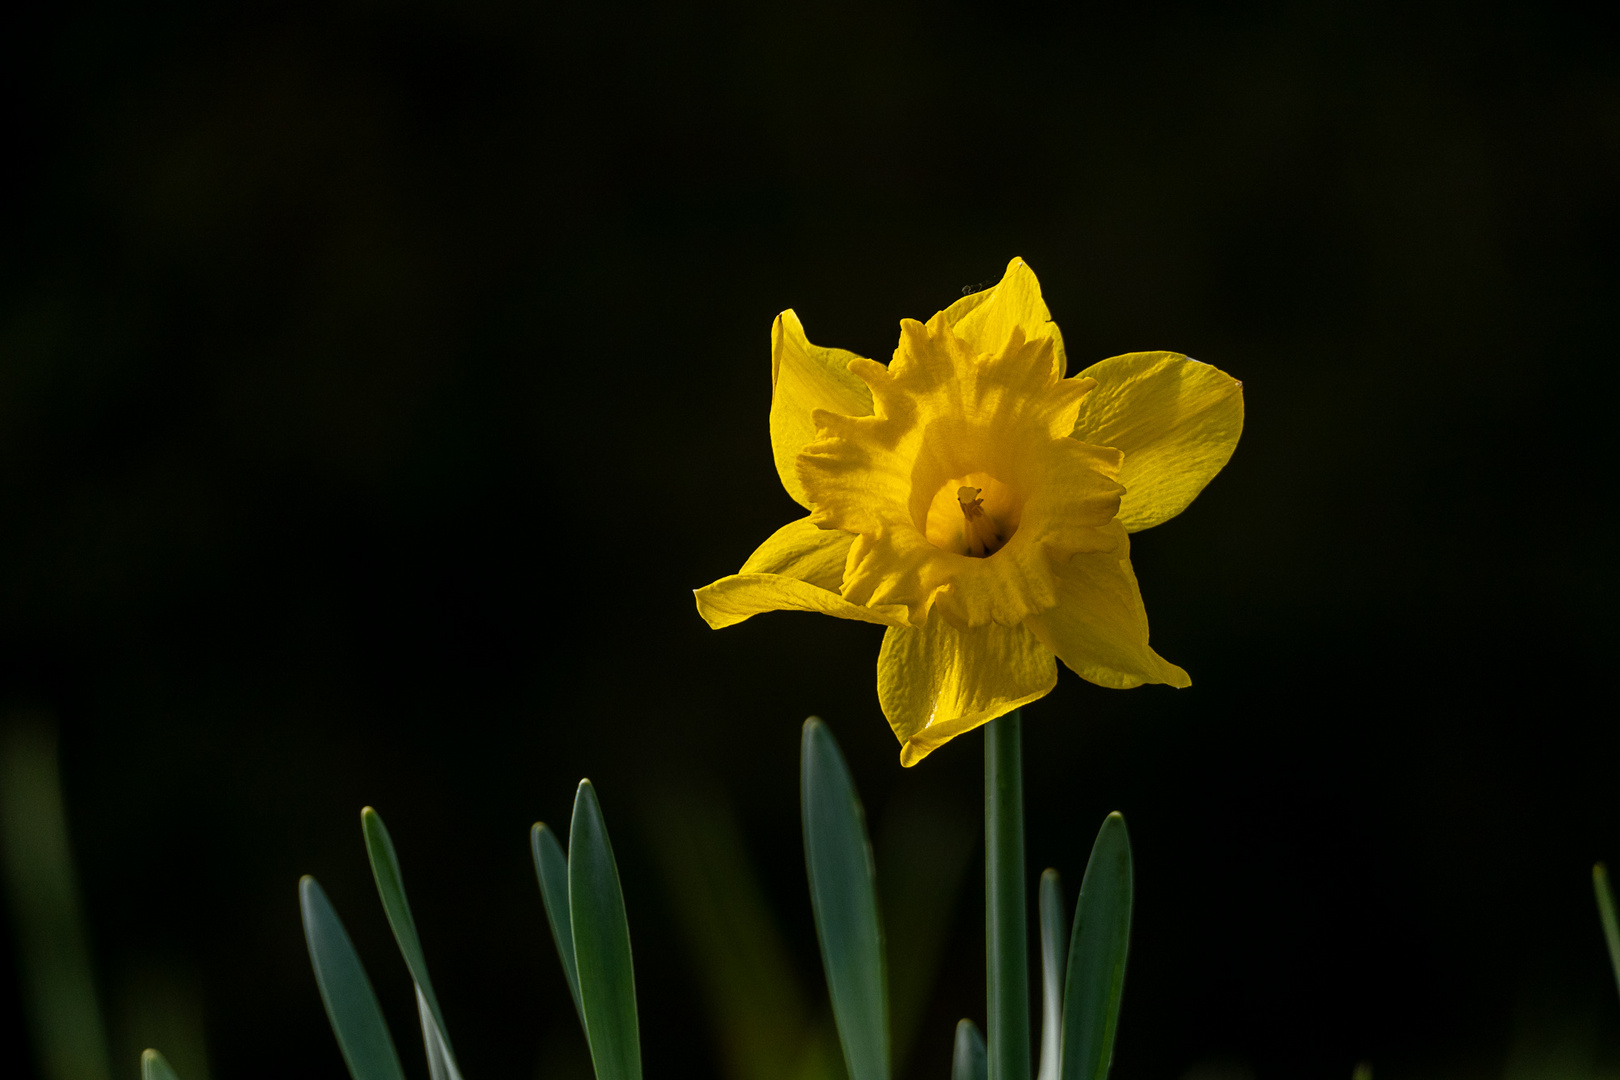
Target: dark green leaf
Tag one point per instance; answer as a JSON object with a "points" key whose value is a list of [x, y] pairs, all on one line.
{"points": [[607, 983], [1097, 950], [969, 1061], [153, 1067], [441, 1065], [351, 1005], [1605, 902], [391, 887], [551, 868], [844, 898], [1054, 965]]}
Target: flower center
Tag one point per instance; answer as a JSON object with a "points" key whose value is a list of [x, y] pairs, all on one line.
{"points": [[973, 515]]}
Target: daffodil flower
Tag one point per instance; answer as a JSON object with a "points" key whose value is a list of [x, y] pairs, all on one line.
{"points": [[979, 504]]}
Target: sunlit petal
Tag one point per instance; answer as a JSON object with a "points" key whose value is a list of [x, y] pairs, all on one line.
{"points": [[1176, 420], [1099, 627], [804, 378], [985, 320], [936, 682]]}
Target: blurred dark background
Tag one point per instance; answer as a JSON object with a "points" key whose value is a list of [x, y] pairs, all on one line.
{"points": [[377, 380]]}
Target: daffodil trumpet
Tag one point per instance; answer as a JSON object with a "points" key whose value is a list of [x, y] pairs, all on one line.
{"points": [[977, 502]]}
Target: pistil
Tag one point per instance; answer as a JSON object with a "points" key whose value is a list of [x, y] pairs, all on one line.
{"points": [[977, 528]]}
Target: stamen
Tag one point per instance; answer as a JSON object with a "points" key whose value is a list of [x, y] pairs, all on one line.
{"points": [[977, 528]]}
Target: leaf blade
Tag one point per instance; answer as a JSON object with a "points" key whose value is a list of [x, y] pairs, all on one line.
{"points": [[607, 985], [843, 896], [1097, 953], [155, 1067], [1606, 914], [351, 1004], [970, 1060], [391, 889], [551, 870], [441, 1064], [1054, 967]]}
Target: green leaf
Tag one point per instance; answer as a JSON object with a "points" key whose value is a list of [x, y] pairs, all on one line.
{"points": [[844, 897], [351, 1005], [551, 867], [969, 1062], [1102, 937], [607, 981], [153, 1067], [441, 1065], [391, 888], [1054, 965], [1605, 903]]}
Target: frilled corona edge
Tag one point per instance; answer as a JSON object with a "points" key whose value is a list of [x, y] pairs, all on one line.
{"points": [[979, 504]]}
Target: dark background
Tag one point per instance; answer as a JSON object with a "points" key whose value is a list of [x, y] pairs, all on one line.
{"points": [[377, 380]]}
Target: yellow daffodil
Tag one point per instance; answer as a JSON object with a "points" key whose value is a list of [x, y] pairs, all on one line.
{"points": [[977, 503]]}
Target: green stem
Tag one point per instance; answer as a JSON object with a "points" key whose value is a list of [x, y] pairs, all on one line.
{"points": [[1006, 936]]}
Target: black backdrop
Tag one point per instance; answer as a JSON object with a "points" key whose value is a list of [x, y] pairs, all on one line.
{"points": [[377, 380]]}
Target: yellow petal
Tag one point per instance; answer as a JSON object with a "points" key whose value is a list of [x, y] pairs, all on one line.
{"points": [[804, 378], [1099, 626], [986, 319], [740, 596], [936, 682], [797, 569], [1176, 420], [800, 550]]}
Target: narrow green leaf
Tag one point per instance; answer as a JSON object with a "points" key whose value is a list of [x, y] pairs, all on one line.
{"points": [[153, 1067], [1605, 903], [351, 1004], [56, 979], [607, 981], [441, 1065], [391, 888], [1054, 965], [843, 895], [1097, 950], [969, 1061], [551, 868]]}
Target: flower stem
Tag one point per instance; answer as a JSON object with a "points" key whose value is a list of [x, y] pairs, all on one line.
{"points": [[1006, 935]]}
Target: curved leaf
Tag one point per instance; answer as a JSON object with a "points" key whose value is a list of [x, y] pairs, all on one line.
{"points": [[391, 888], [351, 1004], [1097, 951], [441, 1065], [969, 1061], [154, 1067], [607, 982], [844, 897], [1054, 965], [1605, 903], [551, 868]]}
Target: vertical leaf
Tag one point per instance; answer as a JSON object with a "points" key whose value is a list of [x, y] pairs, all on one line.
{"points": [[1097, 950], [969, 1062], [844, 897], [1054, 966], [351, 1004], [607, 983], [55, 968], [551, 868], [1605, 903], [153, 1067], [391, 888], [441, 1065]]}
